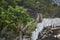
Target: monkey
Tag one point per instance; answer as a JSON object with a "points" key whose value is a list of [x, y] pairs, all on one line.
{"points": [[39, 18], [20, 26]]}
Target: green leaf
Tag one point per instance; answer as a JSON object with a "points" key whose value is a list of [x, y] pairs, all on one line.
{"points": [[7, 21]]}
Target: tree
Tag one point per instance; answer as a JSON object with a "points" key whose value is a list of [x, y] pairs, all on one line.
{"points": [[10, 16]]}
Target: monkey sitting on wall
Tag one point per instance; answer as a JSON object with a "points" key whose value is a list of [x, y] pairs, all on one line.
{"points": [[39, 18]]}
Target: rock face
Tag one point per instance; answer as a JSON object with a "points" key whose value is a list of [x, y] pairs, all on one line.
{"points": [[53, 22], [50, 34]]}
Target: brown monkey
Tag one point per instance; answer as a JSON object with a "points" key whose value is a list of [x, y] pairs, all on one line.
{"points": [[39, 17], [20, 26]]}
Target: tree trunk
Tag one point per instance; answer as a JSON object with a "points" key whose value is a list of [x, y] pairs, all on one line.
{"points": [[21, 35]]}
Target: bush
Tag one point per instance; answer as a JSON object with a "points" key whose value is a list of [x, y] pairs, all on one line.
{"points": [[10, 18]]}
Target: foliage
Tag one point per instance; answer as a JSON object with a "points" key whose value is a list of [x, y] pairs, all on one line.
{"points": [[10, 16], [31, 28], [46, 7]]}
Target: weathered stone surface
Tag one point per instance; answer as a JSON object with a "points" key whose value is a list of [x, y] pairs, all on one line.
{"points": [[45, 22]]}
